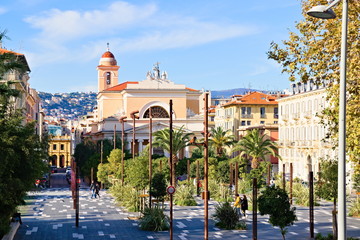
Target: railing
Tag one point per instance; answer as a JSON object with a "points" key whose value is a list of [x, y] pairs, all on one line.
{"points": [[263, 115], [246, 116], [296, 115]]}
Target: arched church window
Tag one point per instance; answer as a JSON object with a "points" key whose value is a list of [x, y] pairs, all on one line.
{"points": [[157, 112], [108, 78]]}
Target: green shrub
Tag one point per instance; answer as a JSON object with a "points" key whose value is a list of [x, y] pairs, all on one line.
{"points": [[154, 219], [319, 236], [184, 195], [354, 210], [126, 196], [227, 218], [158, 186], [219, 192]]}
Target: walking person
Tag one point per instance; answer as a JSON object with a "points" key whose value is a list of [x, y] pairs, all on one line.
{"points": [[237, 205], [97, 190], [92, 189], [244, 205]]}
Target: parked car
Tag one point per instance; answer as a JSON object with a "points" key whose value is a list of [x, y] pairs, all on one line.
{"points": [[53, 169]]}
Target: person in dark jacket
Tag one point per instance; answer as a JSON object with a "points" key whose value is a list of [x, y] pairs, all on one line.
{"points": [[244, 205]]}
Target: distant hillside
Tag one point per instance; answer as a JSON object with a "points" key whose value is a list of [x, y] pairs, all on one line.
{"points": [[68, 105], [228, 93]]}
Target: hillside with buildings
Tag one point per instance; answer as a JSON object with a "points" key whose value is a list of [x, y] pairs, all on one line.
{"points": [[68, 106]]}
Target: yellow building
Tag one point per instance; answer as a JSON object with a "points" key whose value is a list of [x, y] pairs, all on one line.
{"points": [[116, 100], [243, 111], [60, 151]]}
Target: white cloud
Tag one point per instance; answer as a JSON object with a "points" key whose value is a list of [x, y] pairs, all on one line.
{"points": [[3, 10], [127, 27], [60, 25]]}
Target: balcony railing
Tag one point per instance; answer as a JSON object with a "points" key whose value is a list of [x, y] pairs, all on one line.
{"points": [[296, 115], [246, 116], [263, 115]]}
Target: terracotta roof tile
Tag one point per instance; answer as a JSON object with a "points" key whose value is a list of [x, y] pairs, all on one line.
{"points": [[2, 51], [193, 90], [257, 98], [120, 86]]}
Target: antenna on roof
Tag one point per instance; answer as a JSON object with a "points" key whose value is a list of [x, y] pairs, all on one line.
{"points": [[108, 47]]}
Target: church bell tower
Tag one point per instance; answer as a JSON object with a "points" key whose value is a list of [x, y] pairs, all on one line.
{"points": [[107, 71]]}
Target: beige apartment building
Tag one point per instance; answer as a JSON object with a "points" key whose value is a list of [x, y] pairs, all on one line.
{"points": [[28, 100], [243, 111], [60, 151], [116, 100]]}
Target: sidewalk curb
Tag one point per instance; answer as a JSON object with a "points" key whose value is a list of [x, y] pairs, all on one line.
{"points": [[11, 234]]}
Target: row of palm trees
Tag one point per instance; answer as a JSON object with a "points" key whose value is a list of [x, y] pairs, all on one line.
{"points": [[254, 145]]}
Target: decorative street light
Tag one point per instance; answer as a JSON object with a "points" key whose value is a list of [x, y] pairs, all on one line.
{"points": [[150, 154], [206, 194], [172, 182], [133, 116], [325, 12], [122, 120]]}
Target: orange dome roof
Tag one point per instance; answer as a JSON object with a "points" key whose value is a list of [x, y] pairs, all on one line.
{"points": [[108, 54]]}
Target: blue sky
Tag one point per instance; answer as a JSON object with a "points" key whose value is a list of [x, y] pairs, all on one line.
{"points": [[204, 44]]}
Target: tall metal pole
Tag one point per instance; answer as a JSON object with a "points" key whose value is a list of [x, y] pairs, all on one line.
{"points": [[122, 120], [101, 151], [311, 204], [77, 195], [150, 154], [115, 136], [133, 116], [283, 178], [206, 158], [291, 182], [188, 171], [342, 128], [197, 178], [171, 171], [236, 177], [254, 219]]}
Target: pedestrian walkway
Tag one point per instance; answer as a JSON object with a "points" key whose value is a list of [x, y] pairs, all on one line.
{"points": [[51, 216]]}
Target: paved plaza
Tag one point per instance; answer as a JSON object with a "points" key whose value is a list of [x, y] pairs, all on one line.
{"points": [[49, 215]]}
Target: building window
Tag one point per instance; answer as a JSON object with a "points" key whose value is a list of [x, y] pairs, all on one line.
{"points": [[262, 122], [275, 122], [262, 112], [276, 112], [157, 112], [248, 123], [54, 146], [243, 123], [108, 78], [246, 112], [62, 147]]}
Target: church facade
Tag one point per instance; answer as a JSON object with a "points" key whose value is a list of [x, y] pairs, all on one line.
{"points": [[116, 100]]}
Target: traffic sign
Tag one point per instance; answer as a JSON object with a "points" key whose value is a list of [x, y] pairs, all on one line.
{"points": [[170, 190]]}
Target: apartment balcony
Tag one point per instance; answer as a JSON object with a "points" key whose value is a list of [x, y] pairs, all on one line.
{"points": [[308, 114], [263, 115], [285, 117], [246, 116], [296, 116]]}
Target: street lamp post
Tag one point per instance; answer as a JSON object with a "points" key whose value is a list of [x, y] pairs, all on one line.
{"points": [[133, 116], [122, 120], [325, 12], [150, 154], [172, 182]]}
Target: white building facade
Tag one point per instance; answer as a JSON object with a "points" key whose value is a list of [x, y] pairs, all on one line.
{"points": [[302, 138]]}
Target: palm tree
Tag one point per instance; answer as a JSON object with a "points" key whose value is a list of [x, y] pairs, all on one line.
{"points": [[220, 139], [256, 146], [180, 141]]}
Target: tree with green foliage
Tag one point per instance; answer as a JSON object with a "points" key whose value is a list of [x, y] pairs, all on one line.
{"points": [[180, 141], [312, 53], [137, 171], [220, 139], [158, 186], [23, 155], [257, 146], [327, 186], [83, 152], [275, 202]]}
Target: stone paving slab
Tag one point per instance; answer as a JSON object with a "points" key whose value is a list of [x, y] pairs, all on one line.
{"points": [[50, 216]]}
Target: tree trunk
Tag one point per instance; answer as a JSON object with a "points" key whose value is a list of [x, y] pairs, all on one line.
{"points": [[334, 220], [254, 163]]}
